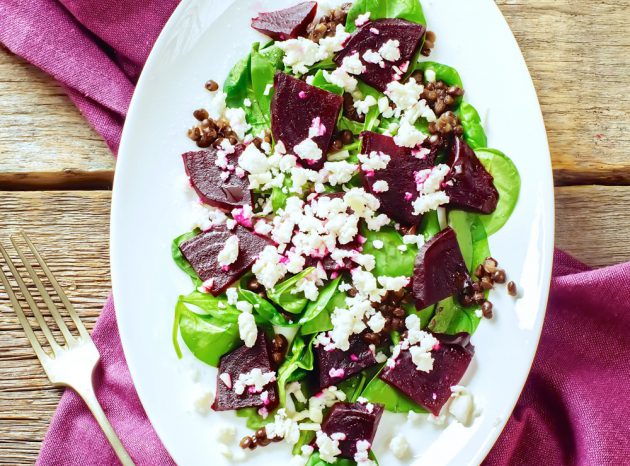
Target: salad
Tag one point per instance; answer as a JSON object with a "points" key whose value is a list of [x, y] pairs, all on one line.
{"points": [[344, 196]]}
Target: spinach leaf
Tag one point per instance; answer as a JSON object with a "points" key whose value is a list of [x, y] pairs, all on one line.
{"points": [[216, 307], [263, 308], [474, 134], [179, 258], [306, 437], [321, 322], [315, 460], [430, 225], [254, 420], [389, 260], [314, 308], [371, 119], [378, 391], [442, 72], [507, 181], [282, 294], [300, 356], [460, 221], [320, 81], [423, 314], [411, 10], [207, 338], [347, 123]]}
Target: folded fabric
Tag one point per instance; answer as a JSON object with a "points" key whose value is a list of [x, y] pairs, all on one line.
{"points": [[573, 408]]}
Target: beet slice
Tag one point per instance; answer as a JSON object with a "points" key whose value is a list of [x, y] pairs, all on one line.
{"points": [[409, 35], [356, 420], [337, 365], [431, 390], [399, 175], [469, 185], [243, 360], [288, 23], [202, 253], [205, 177], [439, 271], [294, 108]]}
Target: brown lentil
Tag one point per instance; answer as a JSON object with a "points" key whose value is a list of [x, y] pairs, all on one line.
{"points": [[327, 25], [446, 125], [254, 285], [498, 276], [210, 132], [349, 111], [397, 324], [279, 343], [253, 444], [371, 338], [429, 43], [486, 283], [440, 97], [212, 85], [486, 309], [200, 114], [511, 288], [399, 312], [261, 433], [337, 144], [245, 442], [347, 137], [490, 265]]}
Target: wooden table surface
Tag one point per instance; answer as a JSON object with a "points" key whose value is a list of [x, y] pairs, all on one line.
{"points": [[56, 172]]}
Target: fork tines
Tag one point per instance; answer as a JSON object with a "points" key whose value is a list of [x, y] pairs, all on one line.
{"points": [[54, 310]]}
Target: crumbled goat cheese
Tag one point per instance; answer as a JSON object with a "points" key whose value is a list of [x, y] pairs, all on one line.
{"points": [[363, 203], [428, 202], [362, 19], [399, 446], [217, 106], [428, 183], [232, 296], [328, 447], [405, 95], [300, 54], [302, 459], [363, 106], [429, 75], [361, 455], [352, 64], [253, 161], [377, 322], [269, 268], [256, 379], [380, 186], [247, 329], [202, 399], [308, 150], [268, 89], [462, 406], [229, 253], [341, 78], [374, 161], [283, 427], [225, 433], [384, 108], [325, 399], [370, 56], [390, 50], [377, 244], [330, 45], [238, 122], [244, 306], [413, 239], [408, 135], [339, 172], [226, 379], [317, 128], [393, 283]]}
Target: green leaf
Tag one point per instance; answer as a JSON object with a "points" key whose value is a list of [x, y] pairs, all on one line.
{"points": [[460, 222], [442, 72], [429, 226], [300, 356], [320, 81], [347, 123], [207, 337], [306, 437], [315, 460], [321, 322], [389, 260], [216, 307], [282, 294], [371, 119], [507, 181], [254, 420], [411, 10], [263, 308], [179, 258], [474, 134], [378, 391], [314, 308]]}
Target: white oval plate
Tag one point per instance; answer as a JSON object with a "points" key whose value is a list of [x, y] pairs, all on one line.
{"points": [[202, 40]]}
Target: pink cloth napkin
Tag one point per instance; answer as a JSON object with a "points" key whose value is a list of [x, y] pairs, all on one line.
{"points": [[573, 409]]}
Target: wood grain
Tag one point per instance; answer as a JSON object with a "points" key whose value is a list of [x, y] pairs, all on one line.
{"points": [[578, 53], [44, 140]]}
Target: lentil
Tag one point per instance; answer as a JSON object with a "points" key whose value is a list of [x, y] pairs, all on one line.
{"points": [[499, 276], [254, 285], [245, 442], [347, 137], [349, 111], [511, 287], [327, 25], [212, 85], [201, 114], [486, 309], [429, 43], [441, 97]]}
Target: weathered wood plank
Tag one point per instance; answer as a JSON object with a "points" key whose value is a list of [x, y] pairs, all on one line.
{"points": [[44, 140], [578, 53]]}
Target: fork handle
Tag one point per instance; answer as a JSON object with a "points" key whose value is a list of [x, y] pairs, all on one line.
{"points": [[87, 393]]}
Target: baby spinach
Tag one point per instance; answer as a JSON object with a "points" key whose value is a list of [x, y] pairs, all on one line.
{"points": [[179, 258], [207, 338], [321, 322], [378, 391], [264, 309], [460, 221], [315, 460], [371, 118], [282, 294], [320, 81], [442, 72], [390, 261], [347, 123], [507, 181], [300, 356], [429, 225], [216, 307], [314, 308], [411, 10], [474, 134], [254, 420]]}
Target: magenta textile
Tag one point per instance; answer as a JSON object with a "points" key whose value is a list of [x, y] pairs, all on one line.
{"points": [[573, 409]]}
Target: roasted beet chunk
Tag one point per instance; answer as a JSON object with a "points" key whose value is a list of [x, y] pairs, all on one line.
{"points": [[374, 35], [356, 420], [206, 179], [296, 108], [203, 250], [468, 185], [399, 175], [288, 23], [439, 271], [432, 389], [245, 361], [337, 365]]}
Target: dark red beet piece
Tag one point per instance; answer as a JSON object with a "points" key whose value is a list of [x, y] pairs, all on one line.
{"points": [[356, 421], [351, 362], [439, 271], [205, 177], [243, 360], [294, 108], [202, 253], [431, 390], [288, 23], [409, 35], [399, 175], [468, 185]]}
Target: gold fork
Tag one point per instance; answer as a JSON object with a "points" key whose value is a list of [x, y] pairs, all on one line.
{"points": [[70, 365]]}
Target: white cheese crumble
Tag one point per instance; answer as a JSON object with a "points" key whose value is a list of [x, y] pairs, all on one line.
{"points": [[328, 447], [247, 329], [377, 244], [384, 108], [362, 19], [308, 150], [428, 185], [374, 161], [301, 53], [399, 446], [225, 433], [341, 78], [405, 95], [283, 427], [370, 56], [238, 122], [380, 186], [269, 268], [339, 172], [253, 161], [408, 135], [216, 107], [255, 379], [390, 50], [361, 455], [462, 405], [377, 322], [352, 64], [202, 399], [229, 253], [429, 75], [363, 106]]}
